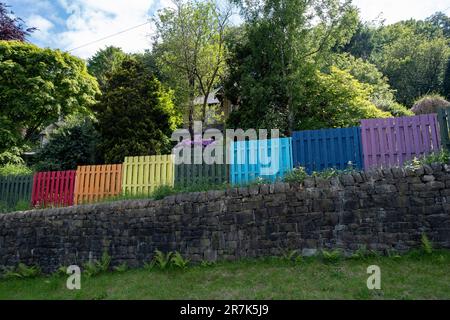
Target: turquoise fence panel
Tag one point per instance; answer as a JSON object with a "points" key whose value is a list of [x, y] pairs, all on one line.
{"points": [[317, 150], [266, 159]]}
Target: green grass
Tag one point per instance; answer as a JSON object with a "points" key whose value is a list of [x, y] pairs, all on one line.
{"points": [[414, 276]]}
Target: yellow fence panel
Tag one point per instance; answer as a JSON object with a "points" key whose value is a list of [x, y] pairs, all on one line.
{"points": [[142, 175], [94, 183]]}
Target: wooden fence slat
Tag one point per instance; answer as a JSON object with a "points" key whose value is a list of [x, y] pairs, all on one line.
{"points": [[53, 188], [15, 189], [393, 141], [142, 175], [253, 158], [94, 183], [316, 150]]}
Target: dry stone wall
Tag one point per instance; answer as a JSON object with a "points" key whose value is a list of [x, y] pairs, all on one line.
{"points": [[382, 210]]}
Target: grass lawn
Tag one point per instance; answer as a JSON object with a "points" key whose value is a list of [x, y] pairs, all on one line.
{"points": [[413, 276]]}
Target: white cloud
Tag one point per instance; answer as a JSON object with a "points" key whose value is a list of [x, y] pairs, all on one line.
{"points": [[43, 25], [397, 10], [90, 20]]}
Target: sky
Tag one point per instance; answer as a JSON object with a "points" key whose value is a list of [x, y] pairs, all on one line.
{"points": [[69, 24]]}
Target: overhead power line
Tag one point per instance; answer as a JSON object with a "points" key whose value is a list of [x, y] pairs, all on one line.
{"points": [[110, 36]]}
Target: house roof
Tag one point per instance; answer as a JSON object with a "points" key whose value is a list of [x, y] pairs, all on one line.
{"points": [[212, 99]]}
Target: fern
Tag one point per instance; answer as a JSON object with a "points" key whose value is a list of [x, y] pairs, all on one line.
{"points": [[22, 271], [179, 262], [331, 256], [427, 246], [121, 268], [162, 261]]}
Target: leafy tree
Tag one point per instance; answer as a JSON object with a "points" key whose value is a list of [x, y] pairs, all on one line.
{"points": [[75, 143], [382, 95], [190, 49], [430, 104], [135, 114], [362, 43], [414, 64], [441, 21], [12, 28], [105, 62], [446, 85], [37, 87], [336, 100], [272, 63]]}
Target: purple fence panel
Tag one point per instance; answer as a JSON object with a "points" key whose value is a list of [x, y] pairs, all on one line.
{"points": [[393, 141]]}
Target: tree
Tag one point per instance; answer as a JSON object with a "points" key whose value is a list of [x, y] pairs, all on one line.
{"points": [[105, 62], [136, 115], [336, 100], [12, 28], [272, 63], [446, 85], [37, 87], [441, 21], [73, 144], [382, 94], [414, 64], [190, 48]]}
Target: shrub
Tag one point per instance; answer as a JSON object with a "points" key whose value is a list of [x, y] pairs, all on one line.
{"points": [[15, 169], [429, 104], [298, 175]]}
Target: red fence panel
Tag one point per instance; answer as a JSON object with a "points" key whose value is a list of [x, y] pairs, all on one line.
{"points": [[54, 188], [393, 141]]}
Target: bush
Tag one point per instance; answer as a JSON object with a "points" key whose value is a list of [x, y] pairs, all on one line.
{"points": [[15, 170], [429, 104], [75, 143], [298, 175]]}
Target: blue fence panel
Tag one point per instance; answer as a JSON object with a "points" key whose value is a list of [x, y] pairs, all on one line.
{"points": [[317, 150], [253, 159]]}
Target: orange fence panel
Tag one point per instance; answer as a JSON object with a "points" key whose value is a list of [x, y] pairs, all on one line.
{"points": [[94, 183]]}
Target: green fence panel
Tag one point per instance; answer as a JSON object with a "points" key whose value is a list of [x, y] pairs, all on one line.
{"points": [[444, 127], [200, 172], [14, 190]]}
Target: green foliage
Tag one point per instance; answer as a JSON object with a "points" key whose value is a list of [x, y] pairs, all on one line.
{"points": [[382, 96], [190, 52], [443, 156], [136, 115], [413, 59], [178, 261], [22, 271], [292, 256], [274, 60], [336, 100], [37, 87], [104, 63], [429, 104], [121, 268], [427, 246], [15, 170], [94, 268], [74, 143], [333, 256], [162, 191], [446, 84], [297, 175], [162, 261], [207, 264]]}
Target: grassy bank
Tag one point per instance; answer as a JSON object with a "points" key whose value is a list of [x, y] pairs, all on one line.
{"points": [[414, 276]]}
